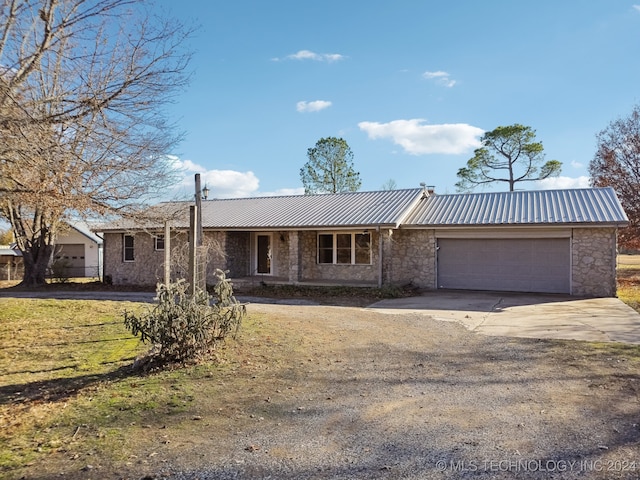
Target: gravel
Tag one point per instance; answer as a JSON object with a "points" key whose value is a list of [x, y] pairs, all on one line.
{"points": [[407, 397]]}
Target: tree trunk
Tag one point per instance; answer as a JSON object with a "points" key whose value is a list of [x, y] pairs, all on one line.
{"points": [[36, 261]]}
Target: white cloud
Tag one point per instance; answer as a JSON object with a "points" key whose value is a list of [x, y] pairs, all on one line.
{"points": [[309, 55], [314, 106], [221, 183], [230, 183], [637, 8], [282, 192], [575, 164], [563, 182], [186, 165], [440, 77], [419, 139]]}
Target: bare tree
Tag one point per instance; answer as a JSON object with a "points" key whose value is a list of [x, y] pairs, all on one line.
{"points": [[390, 185], [83, 84], [616, 164]]}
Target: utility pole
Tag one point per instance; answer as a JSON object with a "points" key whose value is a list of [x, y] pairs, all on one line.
{"points": [[197, 269], [167, 252], [198, 195]]}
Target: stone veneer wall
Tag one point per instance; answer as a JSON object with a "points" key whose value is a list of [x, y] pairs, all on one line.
{"points": [[411, 258], [236, 258], [311, 271], [280, 254], [146, 269], [228, 251], [593, 262], [295, 257]]}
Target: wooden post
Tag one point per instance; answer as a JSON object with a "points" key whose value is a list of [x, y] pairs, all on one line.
{"points": [[167, 253], [199, 207], [193, 271]]}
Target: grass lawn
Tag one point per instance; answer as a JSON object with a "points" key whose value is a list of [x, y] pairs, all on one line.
{"points": [[629, 280], [68, 396], [68, 393]]}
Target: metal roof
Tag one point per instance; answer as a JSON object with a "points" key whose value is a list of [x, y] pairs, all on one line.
{"points": [[85, 229], [391, 209], [9, 251], [341, 210], [526, 207], [359, 209]]}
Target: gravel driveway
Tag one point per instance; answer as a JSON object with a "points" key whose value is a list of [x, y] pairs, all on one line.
{"points": [[371, 395]]}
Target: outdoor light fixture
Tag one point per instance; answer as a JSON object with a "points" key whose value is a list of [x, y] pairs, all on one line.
{"points": [[205, 192]]}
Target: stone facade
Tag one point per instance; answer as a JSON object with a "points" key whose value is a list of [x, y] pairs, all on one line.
{"points": [[411, 258], [236, 261], [408, 257], [593, 262], [225, 250], [310, 270], [145, 269]]}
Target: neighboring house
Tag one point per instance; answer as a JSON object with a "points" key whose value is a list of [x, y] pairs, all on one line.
{"points": [[77, 252], [556, 241], [11, 265]]}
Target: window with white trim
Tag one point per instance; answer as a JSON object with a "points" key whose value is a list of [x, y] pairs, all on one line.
{"points": [[158, 242], [127, 248], [344, 248]]}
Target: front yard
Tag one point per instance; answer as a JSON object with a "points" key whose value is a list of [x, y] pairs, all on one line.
{"points": [[312, 392]]}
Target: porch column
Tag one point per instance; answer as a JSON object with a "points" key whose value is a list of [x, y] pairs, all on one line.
{"points": [[294, 257], [385, 256]]}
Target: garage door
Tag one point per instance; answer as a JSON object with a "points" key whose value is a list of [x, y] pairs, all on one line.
{"points": [[72, 256], [517, 265]]}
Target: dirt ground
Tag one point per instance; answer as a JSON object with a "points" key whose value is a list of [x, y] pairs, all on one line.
{"points": [[368, 395]]}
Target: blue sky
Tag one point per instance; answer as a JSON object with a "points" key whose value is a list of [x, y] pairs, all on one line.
{"points": [[410, 85]]}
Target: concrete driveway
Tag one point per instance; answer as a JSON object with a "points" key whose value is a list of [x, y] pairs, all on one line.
{"points": [[526, 315]]}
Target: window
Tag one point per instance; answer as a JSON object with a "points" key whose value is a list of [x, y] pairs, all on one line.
{"points": [[344, 248], [362, 248], [325, 248], [127, 248], [159, 242]]}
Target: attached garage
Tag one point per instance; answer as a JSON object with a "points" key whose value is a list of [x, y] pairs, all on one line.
{"points": [[505, 264], [545, 241]]}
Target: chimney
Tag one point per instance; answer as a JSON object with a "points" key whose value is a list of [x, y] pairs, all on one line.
{"points": [[427, 190]]}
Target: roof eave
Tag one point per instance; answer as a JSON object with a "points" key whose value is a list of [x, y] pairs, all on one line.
{"points": [[519, 225]]}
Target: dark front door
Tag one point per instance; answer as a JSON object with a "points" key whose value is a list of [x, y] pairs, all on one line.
{"points": [[264, 254]]}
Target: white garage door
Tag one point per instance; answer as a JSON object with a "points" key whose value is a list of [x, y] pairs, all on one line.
{"points": [[515, 264]]}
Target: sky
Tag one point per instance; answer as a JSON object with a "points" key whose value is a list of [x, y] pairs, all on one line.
{"points": [[411, 85]]}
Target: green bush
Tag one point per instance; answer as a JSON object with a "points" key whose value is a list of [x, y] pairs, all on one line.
{"points": [[182, 327], [60, 270]]}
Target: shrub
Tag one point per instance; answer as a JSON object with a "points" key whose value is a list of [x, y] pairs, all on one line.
{"points": [[60, 270], [182, 327]]}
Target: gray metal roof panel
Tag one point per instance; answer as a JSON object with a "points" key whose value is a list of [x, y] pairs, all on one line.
{"points": [[323, 211], [526, 207], [340, 210], [85, 229], [7, 251]]}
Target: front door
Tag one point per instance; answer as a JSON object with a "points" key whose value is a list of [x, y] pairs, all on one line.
{"points": [[264, 254]]}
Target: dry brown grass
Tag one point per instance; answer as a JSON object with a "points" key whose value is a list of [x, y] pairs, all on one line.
{"points": [[68, 398], [629, 280]]}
